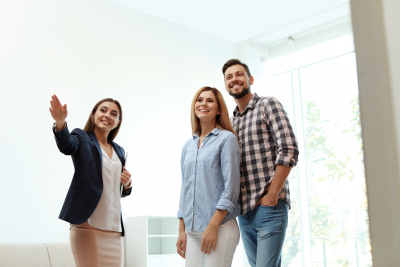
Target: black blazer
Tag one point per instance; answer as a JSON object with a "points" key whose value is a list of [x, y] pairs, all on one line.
{"points": [[87, 183]]}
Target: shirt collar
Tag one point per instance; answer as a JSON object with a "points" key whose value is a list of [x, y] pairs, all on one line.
{"points": [[251, 104], [215, 131]]}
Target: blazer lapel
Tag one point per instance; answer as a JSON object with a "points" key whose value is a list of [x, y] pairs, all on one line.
{"points": [[121, 157], [120, 154], [93, 137]]}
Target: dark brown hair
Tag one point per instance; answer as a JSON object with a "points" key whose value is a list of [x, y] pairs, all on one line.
{"points": [[222, 119], [233, 62], [90, 123]]}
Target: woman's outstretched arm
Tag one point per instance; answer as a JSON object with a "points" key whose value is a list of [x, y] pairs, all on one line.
{"points": [[67, 143], [59, 112]]}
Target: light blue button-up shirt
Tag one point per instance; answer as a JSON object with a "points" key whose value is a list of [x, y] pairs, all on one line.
{"points": [[210, 179]]}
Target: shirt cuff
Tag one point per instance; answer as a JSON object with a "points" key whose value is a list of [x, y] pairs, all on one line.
{"points": [[285, 161], [224, 204], [127, 192], [55, 128], [179, 214]]}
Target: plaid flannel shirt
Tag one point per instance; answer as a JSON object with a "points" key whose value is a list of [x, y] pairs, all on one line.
{"points": [[266, 139]]}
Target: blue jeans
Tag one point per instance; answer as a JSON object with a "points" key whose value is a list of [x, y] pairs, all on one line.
{"points": [[263, 232]]}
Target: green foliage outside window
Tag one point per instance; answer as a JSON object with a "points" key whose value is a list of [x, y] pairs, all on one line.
{"points": [[331, 239]]}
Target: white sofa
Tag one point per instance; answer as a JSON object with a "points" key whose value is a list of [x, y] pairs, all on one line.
{"points": [[36, 255]]}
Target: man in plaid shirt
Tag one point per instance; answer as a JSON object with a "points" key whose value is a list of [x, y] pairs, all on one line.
{"points": [[268, 152]]}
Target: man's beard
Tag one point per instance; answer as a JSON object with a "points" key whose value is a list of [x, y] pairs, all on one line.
{"points": [[244, 92]]}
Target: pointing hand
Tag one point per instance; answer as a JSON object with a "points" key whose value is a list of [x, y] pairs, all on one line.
{"points": [[58, 111]]}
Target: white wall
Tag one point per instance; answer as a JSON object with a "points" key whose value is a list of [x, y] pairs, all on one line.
{"points": [[83, 51], [377, 42]]}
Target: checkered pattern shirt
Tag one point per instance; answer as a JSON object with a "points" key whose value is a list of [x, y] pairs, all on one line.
{"points": [[266, 139]]}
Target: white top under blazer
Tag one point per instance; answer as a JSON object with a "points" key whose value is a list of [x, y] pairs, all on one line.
{"points": [[107, 216]]}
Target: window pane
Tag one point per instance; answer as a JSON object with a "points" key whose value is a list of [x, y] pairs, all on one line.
{"points": [[310, 55], [280, 87], [335, 169], [322, 51]]}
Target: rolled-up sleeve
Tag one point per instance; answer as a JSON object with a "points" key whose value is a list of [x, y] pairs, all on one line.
{"points": [[230, 164], [180, 211], [282, 133]]}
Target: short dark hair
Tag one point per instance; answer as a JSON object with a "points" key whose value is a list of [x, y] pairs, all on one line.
{"points": [[233, 62]]}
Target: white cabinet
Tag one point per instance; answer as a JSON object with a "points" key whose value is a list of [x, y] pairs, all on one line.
{"points": [[151, 242]]}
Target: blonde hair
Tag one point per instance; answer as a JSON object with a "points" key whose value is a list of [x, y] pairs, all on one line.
{"points": [[222, 120]]}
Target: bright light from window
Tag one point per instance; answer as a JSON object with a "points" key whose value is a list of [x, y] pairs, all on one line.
{"points": [[328, 223], [311, 55]]}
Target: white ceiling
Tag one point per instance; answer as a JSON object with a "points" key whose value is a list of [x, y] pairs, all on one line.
{"points": [[232, 20]]}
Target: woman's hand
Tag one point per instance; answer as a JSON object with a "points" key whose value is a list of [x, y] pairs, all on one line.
{"points": [[209, 240], [125, 177], [58, 111], [181, 244]]}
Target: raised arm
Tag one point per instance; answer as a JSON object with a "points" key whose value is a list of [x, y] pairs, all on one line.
{"points": [[67, 143], [59, 112]]}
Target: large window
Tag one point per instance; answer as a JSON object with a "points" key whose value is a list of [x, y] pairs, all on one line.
{"points": [[328, 221]]}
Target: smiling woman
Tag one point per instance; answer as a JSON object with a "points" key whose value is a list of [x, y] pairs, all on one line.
{"points": [[92, 205], [210, 185], [210, 95], [115, 112]]}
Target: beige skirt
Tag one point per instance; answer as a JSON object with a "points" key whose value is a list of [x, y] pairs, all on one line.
{"points": [[94, 247]]}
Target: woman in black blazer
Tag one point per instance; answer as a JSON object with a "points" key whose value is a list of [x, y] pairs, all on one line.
{"points": [[92, 204]]}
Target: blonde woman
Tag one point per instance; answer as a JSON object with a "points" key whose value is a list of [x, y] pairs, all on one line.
{"points": [[208, 207]]}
